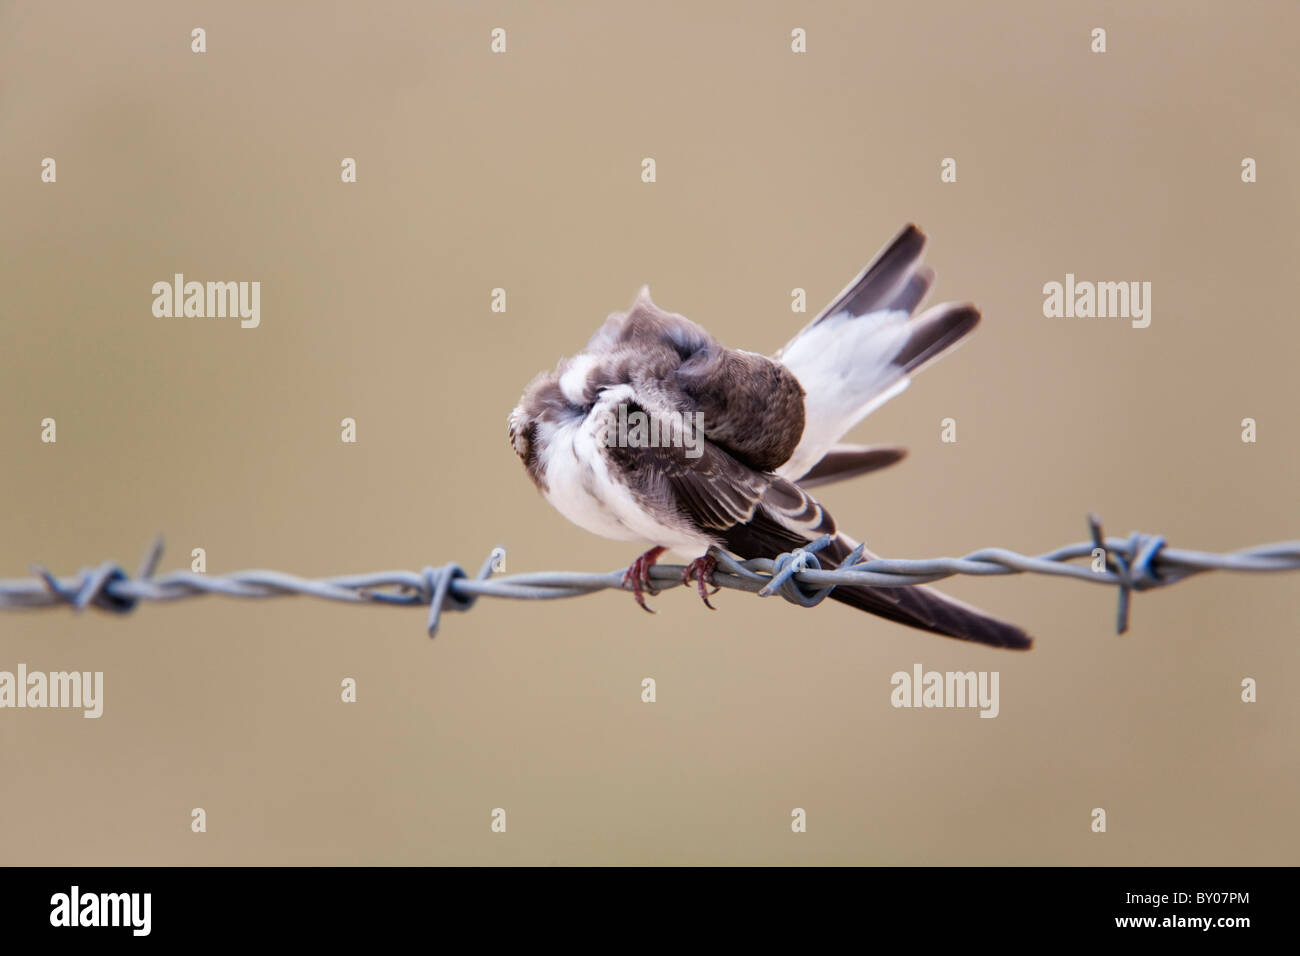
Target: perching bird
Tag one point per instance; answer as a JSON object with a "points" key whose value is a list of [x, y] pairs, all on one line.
{"points": [[659, 434]]}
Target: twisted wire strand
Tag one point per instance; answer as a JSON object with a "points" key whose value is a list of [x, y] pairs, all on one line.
{"points": [[1140, 562]]}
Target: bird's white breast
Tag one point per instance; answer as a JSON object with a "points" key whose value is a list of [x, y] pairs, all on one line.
{"points": [[580, 485]]}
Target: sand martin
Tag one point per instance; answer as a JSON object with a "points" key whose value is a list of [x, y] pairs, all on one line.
{"points": [[657, 433]]}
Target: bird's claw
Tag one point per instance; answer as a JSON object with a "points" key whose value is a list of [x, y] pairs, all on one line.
{"points": [[637, 577], [701, 569]]}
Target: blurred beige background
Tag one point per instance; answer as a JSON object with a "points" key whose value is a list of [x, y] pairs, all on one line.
{"points": [[523, 171]]}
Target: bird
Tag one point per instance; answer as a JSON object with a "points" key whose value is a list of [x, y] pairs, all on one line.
{"points": [[658, 434]]}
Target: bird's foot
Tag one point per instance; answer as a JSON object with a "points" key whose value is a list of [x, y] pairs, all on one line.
{"points": [[637, 576], [701, 569]]}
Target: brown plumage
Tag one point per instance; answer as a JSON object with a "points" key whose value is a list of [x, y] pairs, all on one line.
{"points": [[769, 429]]}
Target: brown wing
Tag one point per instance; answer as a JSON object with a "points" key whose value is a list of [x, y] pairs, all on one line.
{"points": [[755, 514], [747, 511]]}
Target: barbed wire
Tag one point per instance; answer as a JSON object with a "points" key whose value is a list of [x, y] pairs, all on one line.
{"points": [[1140, 562]]}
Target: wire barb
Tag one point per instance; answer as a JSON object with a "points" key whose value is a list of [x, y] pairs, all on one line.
{"points": [[1140, 562], [1136, 574]]}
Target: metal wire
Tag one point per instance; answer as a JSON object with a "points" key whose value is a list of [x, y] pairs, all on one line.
{"points": [[1137, 563]]}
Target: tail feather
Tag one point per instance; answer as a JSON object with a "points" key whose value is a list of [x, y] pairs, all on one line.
{"points": [[858, 353], [934, 332], [910, 296], [923, 607], [874, 288]]}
